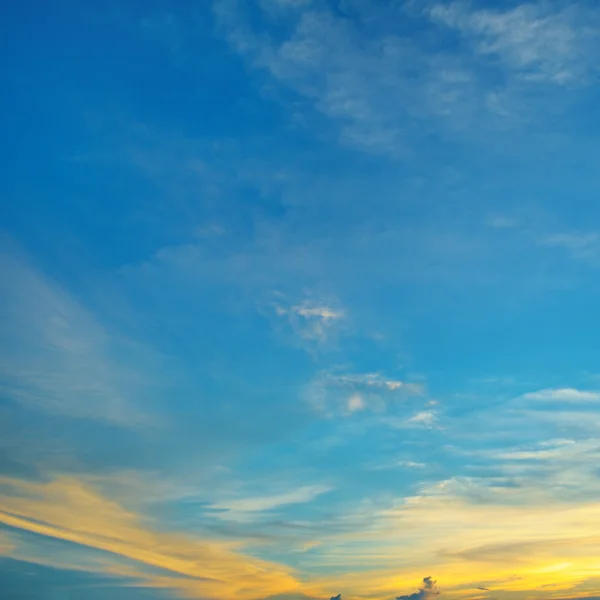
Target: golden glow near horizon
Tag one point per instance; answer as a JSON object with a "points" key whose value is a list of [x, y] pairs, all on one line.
{"points": [[535, 551]]}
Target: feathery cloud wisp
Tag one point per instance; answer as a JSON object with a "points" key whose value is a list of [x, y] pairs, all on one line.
{"points": [[563, 395], [57, 357]]}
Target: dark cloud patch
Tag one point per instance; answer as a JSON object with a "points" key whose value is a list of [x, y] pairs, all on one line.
{"points": [[427, 591], [338, 597]]}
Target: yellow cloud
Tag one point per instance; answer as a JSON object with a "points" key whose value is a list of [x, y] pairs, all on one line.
{"points": [[67, 509], [529, 548]]}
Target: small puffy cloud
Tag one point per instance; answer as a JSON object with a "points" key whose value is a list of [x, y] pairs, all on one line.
{"points": [[427, 591], [313, 322], [425, 418], [355, 404]]}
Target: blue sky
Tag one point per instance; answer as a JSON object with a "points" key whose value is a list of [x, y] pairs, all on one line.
{"points": [[300, 299]]}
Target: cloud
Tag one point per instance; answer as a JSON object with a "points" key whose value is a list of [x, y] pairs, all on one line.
{"points": [[582, 246], [538, 41], [375, 381], [312, 321], [506, 538], [324, 313], [356, 403], [69, 510], [236, 508], [568, 395], [351, 76], [425, 418], [411, 464], [350, 393], [56, 356], [428, 590], [383, 88]]}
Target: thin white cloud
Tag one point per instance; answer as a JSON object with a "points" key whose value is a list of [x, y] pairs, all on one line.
{"points": [[538, 41], [351, 393], [323, 313], [352, 78], [238, 507], [57, 357], [583, 246], [563, 395], [375, 381], [426, 418], [383, 87], [398, 464], [549, 450]]}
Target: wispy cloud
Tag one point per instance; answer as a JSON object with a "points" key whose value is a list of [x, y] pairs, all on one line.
{"points": [[539, 41], [563, 395], [66, 509], [56, 356], [312, 321], [236, 508], [426, 418], [345, 64], [354, 78], [472, 541], [580, 245], [375, 381], [350, 393]]}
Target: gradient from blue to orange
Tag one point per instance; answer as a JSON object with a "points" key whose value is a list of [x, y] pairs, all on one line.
{"points": [[300, 298]]}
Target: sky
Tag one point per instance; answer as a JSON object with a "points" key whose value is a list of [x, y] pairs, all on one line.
{"points": [[300, 300]]}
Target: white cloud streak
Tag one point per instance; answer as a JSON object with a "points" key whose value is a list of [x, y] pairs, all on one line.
{"points": [[238, 509], [55, 355], [567, 395], [313, 322], [383, 87], [538, 41], [351, 393]]}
